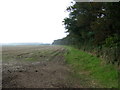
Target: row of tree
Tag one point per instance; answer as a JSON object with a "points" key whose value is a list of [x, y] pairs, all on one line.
{"points": [[92, 25]]}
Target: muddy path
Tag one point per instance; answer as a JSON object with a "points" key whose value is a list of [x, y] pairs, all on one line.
{"points": [[36, 67]]}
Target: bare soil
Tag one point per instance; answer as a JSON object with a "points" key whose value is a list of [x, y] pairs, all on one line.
{"points": [[36, 67]]}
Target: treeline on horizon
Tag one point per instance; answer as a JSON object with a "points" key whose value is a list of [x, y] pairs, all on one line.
{"points": [[94, 27]]}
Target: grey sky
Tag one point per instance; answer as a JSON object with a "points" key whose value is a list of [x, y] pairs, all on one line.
{"points": [[97, 0], [32, 20]]}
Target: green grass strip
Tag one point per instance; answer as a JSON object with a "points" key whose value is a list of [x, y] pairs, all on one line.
{"points": [[80, 61]]}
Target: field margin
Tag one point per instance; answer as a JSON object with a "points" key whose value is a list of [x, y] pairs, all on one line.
{"points": [[92, 67]]}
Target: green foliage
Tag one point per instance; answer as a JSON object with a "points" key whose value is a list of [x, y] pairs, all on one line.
{"points": [[111, 41], [102, 19], [92, 25], [92, 67]]}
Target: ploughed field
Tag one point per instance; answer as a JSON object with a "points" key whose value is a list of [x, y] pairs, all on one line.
{"points": [[35, 67]]}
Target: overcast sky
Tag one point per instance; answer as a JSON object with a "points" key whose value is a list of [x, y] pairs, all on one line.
{"points": [[32, 20]]}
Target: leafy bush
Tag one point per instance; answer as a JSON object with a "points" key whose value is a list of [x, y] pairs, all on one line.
{"points": [[111, 41]]}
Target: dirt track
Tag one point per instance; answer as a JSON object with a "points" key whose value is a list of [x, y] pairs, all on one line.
{"points": [[36, 67]]}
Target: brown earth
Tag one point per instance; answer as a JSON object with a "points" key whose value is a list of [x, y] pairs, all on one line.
{"points": [[36, 67]]}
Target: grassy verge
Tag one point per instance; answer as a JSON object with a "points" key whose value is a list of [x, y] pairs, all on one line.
{"points": [[88, 66]]}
